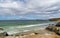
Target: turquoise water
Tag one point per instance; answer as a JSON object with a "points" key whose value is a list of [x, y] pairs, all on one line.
{"points": [[17, 26], [20, 22]]}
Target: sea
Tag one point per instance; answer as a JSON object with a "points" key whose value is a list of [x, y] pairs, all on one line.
{"points": [[17, 26]]}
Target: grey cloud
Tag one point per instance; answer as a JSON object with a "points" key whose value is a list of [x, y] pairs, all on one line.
{"points": [[31, 7]]}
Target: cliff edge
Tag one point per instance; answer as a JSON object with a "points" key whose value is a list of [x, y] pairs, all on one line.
{"points": [[55, 19]]}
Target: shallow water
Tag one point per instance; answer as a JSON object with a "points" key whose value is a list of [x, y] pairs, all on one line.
{"points": [[12, 27]]}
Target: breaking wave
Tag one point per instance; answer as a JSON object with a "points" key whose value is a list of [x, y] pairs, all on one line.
{"points": [[17, 29]]}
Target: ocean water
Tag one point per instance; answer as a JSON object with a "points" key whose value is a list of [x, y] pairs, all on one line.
{"points": [[17, 26]]}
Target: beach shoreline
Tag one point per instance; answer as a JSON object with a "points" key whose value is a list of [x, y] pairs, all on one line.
{"points": [[37, 31], [35, 34]]}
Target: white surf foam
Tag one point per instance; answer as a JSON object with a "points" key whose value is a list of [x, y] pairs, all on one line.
{"points": [[17, 29]]}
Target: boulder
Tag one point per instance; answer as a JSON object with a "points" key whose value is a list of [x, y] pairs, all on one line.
{"points": [[3, 34], [1, 28], [58, 24]]}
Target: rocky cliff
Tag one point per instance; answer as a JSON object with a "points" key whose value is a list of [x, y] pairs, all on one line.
{"points": [[55, 19]]}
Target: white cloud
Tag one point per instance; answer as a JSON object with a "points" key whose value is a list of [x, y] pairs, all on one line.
{"points": [[10, 5], [34, 7]]}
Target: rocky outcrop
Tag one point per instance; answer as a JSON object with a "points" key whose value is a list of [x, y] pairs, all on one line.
{"points": [[1, 28], [3, 34], [54, 19]]}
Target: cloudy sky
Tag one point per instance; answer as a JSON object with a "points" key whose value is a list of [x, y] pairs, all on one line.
{"points": [[29, 9]]}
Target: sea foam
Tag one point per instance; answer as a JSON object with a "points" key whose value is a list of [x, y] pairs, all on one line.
{"points": [[17, 29]]}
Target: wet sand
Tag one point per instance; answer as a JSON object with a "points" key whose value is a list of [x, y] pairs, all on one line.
{"points": [[35, 34]]}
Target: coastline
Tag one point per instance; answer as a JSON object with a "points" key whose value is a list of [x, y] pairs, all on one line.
{"points": [[18, 29], [35, 34], [39, 33]]}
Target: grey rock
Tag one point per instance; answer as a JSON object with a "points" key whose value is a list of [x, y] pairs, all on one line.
{"points": [[1, 28]]}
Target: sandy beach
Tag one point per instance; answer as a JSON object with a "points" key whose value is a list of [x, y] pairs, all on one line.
{"points": [[36, 31], [35, 34]]}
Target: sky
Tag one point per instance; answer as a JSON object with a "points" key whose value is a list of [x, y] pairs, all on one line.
{"points": [[29, 9]]}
